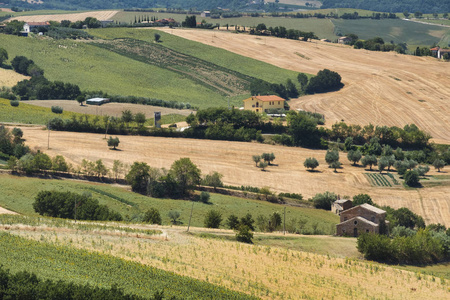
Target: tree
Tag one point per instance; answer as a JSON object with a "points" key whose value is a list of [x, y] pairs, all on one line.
{"points": [[268, 157], [303, 80], [157, 37], [248, 221], [27, 164], [152, 216], [256, 159], [14, 103], [113, 142], [423, 170], [190, 22], [57, 109], [3, 56], [418, 14], [324, 201], [80, 99], [361, 199], [324, 81], [244, 235], [127, 116], [369, 160], [140, 118], [173, 216], [291, 89], [138, 177], [274, 221], [332, 159], [439, 164], [213, 179], [186, 174], [406, 14], [20, 64], [354, 156], [232, 222], [204, 197], [213, 219], [59, 164], [100, 169], [383, 163], [262, 165], [412, 178], [42, 161], [311, 163], [348, 144], [117, 168]]}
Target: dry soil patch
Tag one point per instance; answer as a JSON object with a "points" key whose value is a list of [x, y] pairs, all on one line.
{"points": [[100, 15], [10, 78]]}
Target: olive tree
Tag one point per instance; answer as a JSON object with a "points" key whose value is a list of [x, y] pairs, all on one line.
{"points": [[311, 163]]}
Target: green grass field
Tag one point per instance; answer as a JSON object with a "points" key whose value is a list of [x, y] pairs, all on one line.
{"points": [[58, 262], [18, 198], [399, 31]]}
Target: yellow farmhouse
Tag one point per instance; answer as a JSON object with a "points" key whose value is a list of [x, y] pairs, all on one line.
{"points": [[263, 103]]}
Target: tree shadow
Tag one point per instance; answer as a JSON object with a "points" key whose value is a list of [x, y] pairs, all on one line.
{"points": [[313, 171], [115, 149]]}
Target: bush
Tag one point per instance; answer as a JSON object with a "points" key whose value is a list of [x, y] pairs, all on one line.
{"points": [[204, 197], [324, 81], [324, 201], [244, 235], [213, 219], [57, 109], [152, 216], [311, 163], [174, 215], [361, 199], [14, 103], [412, 178], [232, 222]]}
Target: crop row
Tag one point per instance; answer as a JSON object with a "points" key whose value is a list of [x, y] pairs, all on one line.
{"points": [[378, 179]]}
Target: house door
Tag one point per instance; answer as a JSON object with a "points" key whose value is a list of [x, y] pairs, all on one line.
{"points": [[355, 232]]}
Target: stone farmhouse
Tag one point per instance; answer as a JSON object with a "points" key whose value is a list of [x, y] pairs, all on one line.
{"points": [[363, 218], [263, 103], [439, 52], [28, 27], [339, 205]]}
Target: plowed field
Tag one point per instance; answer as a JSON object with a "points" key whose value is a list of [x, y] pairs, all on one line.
{"points": [[380, 88]]}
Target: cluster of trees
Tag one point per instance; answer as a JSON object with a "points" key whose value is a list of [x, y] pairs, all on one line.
{"points": [[13, 27], [286, 91], [25, 66], [61, 33], [177, 182], [426, 6], [75, 206], [378, 44], [190, 22], [407, 246], [38, 87], [282, 32], [11, 144], [324, 81], [264, 160], [26, 285]]}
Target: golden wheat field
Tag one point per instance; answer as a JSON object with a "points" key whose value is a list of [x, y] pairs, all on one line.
{"points": [[100, 15], [380, 88], [266, 272], [234, 161], [9, 78]]}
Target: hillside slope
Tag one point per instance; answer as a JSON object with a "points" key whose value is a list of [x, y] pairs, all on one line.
{"points": [[380, 88]]}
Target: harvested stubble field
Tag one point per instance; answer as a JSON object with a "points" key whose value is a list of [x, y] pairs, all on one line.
{"points": [[9, 78], [100, 15], [262, 271], [110, 109], [380, 88], [234, 161]]}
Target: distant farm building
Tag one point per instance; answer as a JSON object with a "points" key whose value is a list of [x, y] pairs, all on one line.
{"points": [[363, 218], [325, 40], [97, 101], [30, 26], [106, 23], [205, 14], [344, 40], [339, 206], [263, 103]]}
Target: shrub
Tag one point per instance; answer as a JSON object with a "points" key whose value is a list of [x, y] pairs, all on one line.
{"points": [[213, 179], [174, 215], [152, 216], [232, 222], [213, 219], [311, 163], [244, 235], [324, 201], [57, 109], [204, 197], [14, 103], [412, 178], [361, 199]]}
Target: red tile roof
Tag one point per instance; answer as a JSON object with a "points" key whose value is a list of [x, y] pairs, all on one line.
{"points": [[434, 49], [269, 98], [38, 23]]}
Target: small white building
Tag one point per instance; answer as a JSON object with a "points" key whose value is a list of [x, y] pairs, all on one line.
{"points": [[29, 26], [205, 14], [97, 101]]}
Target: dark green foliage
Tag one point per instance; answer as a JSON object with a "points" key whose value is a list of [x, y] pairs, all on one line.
{"points": [[244, 234], [25, 285], [412, 178], [57, 109], [3, 56], [213, 179], [14, 27], [427, 6], [186, 174], [403, 217], [173, 216], [157, 37], [332, 159], [439, 164], [361, 199], [291, 195], [247, 221], [369, 160], [11, 144], [420, 248], [303, 129], [232, 222], [138, 177], [324, 81], [354, 156], [204, 197], [324, 201], [190, 22], [152, 216], [113, 142], [302, 80], [268, 157], [68, 33], [213, 219], [21, 64], [38, 87], [62, 205], [311, 163]]}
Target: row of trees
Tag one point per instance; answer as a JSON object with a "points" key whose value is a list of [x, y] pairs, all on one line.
{"points": [[282, 32]]}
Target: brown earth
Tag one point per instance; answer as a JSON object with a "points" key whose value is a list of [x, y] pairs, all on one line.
{"points": [[110, 109], [100, 15], [4, 211], [9, 78], [380, 88], [234, 161]]}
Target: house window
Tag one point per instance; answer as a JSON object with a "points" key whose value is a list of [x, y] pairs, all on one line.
{"points": [[356, 222], [345, 218], [278, 102], [372, 219], [367, 230]]}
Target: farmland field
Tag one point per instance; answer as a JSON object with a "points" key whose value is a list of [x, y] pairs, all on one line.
{"points": [[380, 88], [233, 160], [64, 15], [268, 272], [9, 78]]}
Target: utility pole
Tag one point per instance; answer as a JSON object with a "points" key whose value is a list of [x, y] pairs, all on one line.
{"points": [[284, 222], [48, 139], [190, 217]]}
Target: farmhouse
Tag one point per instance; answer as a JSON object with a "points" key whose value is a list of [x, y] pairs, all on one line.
{"points": [[263, 103], [360, 219], [339, 206], [344, 40], [205, 14], [28, 27], [97, 101], [439, 52]]}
